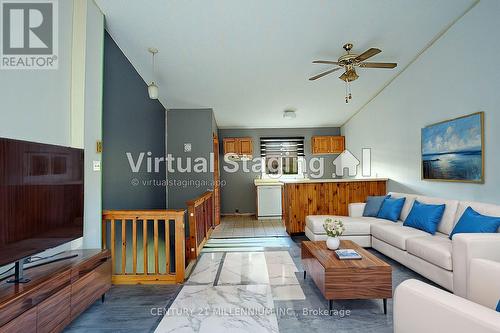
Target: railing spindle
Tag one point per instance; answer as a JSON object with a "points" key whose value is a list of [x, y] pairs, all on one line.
{"points": [[113, 243], [155, 226], [124, 246], [179, 249], [134, 245], [167, 246], [145, 244]]}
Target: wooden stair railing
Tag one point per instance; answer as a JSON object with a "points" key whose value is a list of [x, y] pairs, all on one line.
{"points": [[134, 222], [201, 223]]}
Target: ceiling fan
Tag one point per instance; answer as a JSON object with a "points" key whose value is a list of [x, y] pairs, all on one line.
{"points": [[348, 62]]}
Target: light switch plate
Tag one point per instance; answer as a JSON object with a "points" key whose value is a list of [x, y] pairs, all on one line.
{"points": [[187, 147], [96, 165]]}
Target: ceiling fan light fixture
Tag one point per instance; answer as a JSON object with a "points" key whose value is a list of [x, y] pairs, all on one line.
{"points": [[348, 62]]}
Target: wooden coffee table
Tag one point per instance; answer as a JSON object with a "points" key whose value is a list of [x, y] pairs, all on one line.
{"points": [[368, 278]]}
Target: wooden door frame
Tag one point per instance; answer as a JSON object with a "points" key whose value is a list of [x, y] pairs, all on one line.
{"points": [[216, 178]]}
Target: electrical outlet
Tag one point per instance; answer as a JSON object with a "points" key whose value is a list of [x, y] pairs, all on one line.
{"points": [[237, 210], [187, 147], [96, 165]]}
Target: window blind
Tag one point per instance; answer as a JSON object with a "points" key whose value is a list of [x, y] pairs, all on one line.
{"points": [[282, 146]]}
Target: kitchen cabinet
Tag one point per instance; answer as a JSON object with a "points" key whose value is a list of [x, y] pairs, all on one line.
{"points": [[238, 146], [327, 144]]}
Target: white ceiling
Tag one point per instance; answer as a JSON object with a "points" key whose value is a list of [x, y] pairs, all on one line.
{"points": [[250, 60]]}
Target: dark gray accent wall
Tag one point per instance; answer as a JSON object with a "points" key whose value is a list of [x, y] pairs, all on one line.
{"points": [[194, 126], [134, 123], [238, 192]]}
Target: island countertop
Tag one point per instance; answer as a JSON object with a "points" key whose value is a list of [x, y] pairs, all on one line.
{"points": [[272, 181], [332, 180], [303, 197]]}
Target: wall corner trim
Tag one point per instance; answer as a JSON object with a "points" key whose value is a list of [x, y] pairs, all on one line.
{"points": [[78, 50]]}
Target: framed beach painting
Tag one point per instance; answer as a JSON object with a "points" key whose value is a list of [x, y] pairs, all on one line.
{"points": [[453, 150]]}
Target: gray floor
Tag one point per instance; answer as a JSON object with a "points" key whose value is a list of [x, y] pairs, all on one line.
{"points": [[128, 308]]}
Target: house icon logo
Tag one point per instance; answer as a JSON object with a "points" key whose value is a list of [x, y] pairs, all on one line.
{"points": [[346, 160]]}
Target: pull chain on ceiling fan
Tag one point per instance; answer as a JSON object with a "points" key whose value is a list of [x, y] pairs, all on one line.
{"points": [[349, 62]]}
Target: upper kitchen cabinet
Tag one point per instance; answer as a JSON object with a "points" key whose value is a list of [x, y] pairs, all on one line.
{"points": [[327, 144], [238, 146]]}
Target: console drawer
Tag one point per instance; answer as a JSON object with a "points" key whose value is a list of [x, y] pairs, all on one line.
{"points": [[89, 288], [54, 313], [24, 323]]}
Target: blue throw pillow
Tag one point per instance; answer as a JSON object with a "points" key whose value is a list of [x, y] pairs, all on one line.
{"points": [[498, 306], [473, 222], [391, 209], [425, 217], [373, 205]]}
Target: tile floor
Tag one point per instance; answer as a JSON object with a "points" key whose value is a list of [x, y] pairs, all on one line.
{"points": [[264, 291], [237, 291], [234, 290], [248, 226]]}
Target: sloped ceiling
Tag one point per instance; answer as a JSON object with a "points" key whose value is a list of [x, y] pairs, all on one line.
{"points": [[250, 60]]}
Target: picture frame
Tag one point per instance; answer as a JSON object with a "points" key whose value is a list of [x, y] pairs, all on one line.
{"points": [[453, 150]]}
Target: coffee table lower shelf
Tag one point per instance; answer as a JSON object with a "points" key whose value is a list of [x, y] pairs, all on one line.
{"points": [[368, 278]]}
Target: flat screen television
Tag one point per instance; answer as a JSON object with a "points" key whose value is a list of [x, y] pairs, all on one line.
{"points": [[41, 197]]}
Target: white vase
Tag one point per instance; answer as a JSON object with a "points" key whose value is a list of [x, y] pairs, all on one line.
{"points": [[332, 243]]}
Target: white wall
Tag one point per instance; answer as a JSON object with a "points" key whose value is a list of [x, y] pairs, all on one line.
{"points": [[457, 75], [94, 60], [36, 105]]}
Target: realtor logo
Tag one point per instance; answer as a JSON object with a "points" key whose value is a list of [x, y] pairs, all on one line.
{"points": [[29, 34]]}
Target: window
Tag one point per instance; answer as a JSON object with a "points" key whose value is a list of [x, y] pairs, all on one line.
{"points": [[282, 157]]}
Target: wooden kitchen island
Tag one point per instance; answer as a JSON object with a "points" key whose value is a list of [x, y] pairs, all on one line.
{"points": [[325, 197]]}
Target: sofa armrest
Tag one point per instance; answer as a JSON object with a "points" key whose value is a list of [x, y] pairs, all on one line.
{"points": [[419, 307], [467, 247], [356, 209], [484, 282]]}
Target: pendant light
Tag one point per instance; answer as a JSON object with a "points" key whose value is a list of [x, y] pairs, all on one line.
{"points": [[152, 87]]}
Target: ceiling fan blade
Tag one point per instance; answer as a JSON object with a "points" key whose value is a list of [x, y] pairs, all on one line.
{"points": [[325, 62], [323, 74], [378, 64], [367, 54]]}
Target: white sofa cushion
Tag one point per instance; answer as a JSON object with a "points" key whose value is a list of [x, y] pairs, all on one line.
{"points": [[356, 209], [481, 208], [410, 199], [450, 211], [434, 249], [353, 225], [484, 282], [361, 240], [419, 307], [395, 234], [467, 247]]}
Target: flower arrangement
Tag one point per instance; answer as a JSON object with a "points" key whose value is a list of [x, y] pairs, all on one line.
{"points": [[333, 227]]}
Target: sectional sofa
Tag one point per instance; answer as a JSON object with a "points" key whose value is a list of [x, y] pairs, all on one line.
{"points": [[440, 311], [444, 261]]}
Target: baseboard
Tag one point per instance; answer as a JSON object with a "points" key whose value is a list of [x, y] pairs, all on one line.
{"points": [[237, 214]]}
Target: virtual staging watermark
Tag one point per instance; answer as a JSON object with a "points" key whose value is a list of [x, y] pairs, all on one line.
{"points": [[29, 34], [184, 183], [345, 164], [244, 311]]}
